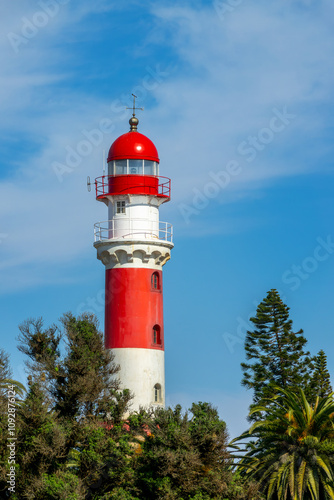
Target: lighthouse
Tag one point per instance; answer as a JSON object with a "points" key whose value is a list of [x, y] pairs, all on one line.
{"points": [[133, 245]]}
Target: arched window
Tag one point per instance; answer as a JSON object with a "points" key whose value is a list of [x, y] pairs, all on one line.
{"points": [[156, 335], [157, 393], [155, 281]]}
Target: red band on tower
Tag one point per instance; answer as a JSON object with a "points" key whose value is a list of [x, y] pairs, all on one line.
{"points": [[134, 308]]}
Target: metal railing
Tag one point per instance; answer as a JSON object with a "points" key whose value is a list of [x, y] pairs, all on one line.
{"points": [[133, 229], [163, 186]]}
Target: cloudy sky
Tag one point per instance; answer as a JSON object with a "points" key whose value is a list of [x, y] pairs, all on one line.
{"points": [[239, 101]]}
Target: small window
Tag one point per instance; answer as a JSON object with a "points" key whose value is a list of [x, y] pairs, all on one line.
{"points": [[155, 281], [157, 393], [156, 335], [120, 207]]}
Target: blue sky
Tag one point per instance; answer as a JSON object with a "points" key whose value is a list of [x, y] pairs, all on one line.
{"points": [[238, 100]]}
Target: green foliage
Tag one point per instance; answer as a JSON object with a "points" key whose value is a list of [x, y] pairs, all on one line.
{"points": [[10, 391], [6, 382], [320, 384], [81, 383], [5, 373], [185, 457], [42, 347], [199, 496], [84, 374], [40, 442], [62, 485], [293, 454], [67, 391], [73, 441], [105, 458], [208, 432], [118, 494], [275, 354]]}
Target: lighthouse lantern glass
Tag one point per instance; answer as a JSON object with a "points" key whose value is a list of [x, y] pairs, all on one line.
{"points": [[133, 167], [121, 167], [149, 167], [136, 167]]}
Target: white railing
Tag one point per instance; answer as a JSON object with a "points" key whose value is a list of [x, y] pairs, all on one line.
{"points": [[133, 229]]}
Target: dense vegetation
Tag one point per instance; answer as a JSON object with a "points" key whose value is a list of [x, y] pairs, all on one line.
{"points": [[293, 454], [73, 441]]}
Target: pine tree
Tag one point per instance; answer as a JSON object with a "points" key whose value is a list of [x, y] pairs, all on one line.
{"points": [[77, 380], [85, 382], [81, 382], [275, 352], [73, 390], [41, 442], [10, 393], [4, 375], [320, 384]]}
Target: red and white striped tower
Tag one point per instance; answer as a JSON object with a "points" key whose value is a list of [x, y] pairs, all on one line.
{"points": [[134, 245]]}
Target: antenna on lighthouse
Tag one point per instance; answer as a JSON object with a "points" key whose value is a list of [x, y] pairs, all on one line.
{"points": [[89, 184]]}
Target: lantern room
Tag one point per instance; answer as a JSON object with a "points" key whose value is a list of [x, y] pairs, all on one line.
{"points": [[133, 167], [133, 154]]}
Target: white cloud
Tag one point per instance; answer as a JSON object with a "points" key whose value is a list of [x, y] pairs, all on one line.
{"points": [[230, 76], [261, 57]]}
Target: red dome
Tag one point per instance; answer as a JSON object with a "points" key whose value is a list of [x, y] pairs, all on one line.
{"points": [[133, 146]]}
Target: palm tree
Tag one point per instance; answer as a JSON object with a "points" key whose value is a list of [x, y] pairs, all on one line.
{"points": [[14, 385], [293, 454], [5, 381]]}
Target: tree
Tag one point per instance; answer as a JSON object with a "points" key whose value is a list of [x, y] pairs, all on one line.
{"points": [[85, 383], [41, 443], [293, 454], [72, 391], [185, 456], [80, 383], [74, 443], [41, 346], [320, 384], [5, 378], [106, 459], [275, 352], [10, 393]]}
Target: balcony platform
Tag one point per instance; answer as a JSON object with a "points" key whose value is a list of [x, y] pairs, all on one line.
{"points": [[113, 185], [133, 229]]}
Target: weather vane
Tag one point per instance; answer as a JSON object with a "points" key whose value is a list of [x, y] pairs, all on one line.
{"points": [[134, 106], [134, 120]]}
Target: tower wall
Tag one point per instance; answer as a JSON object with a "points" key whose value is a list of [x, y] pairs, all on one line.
{"points": [[141, 371], [133, 308]]}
